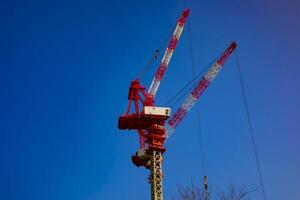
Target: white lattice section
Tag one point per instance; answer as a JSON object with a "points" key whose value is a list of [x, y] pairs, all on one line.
{"points": [[212, 73], [165, 60], [189, 102]]}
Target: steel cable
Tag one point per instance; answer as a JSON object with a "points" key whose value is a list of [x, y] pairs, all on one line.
{"points": [[251, 131]]}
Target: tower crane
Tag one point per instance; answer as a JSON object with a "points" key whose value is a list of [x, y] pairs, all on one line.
{"points": [[151, 122]]}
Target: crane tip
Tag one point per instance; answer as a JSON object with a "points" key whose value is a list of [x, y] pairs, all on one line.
{"points": [[186, 12], [234, 44]]}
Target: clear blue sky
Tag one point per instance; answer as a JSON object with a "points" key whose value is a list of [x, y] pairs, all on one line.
{"points": [[64, 75]]}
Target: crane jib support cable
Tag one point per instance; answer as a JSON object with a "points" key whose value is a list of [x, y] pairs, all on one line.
{"points": [[193, 81]]}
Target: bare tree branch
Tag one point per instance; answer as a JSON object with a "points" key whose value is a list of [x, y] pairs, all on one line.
{"points": [[197, 193]]}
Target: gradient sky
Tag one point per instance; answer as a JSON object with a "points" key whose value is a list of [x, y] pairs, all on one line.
{"points": [[64, 76]]}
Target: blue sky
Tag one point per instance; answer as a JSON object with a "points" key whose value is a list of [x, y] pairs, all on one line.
{"points": [[65, 71]]}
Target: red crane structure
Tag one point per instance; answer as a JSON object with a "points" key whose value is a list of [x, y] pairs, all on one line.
{"points": [[151, 122]]}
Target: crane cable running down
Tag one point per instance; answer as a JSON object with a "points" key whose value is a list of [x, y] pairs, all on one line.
{"points": [[200, 132], [251, 131]]}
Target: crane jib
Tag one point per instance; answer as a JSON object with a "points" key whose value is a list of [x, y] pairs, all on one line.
{"points": [[199, 89], [168, 54]]}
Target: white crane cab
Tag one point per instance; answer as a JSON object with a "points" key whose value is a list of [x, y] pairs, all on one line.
{"points": [[157, 112]]}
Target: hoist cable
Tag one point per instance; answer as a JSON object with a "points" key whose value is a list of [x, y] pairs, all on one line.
{"points": [[259, 171], [200, 132]]}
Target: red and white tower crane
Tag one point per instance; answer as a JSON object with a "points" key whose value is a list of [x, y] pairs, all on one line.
{"points": [[150, 121]]}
